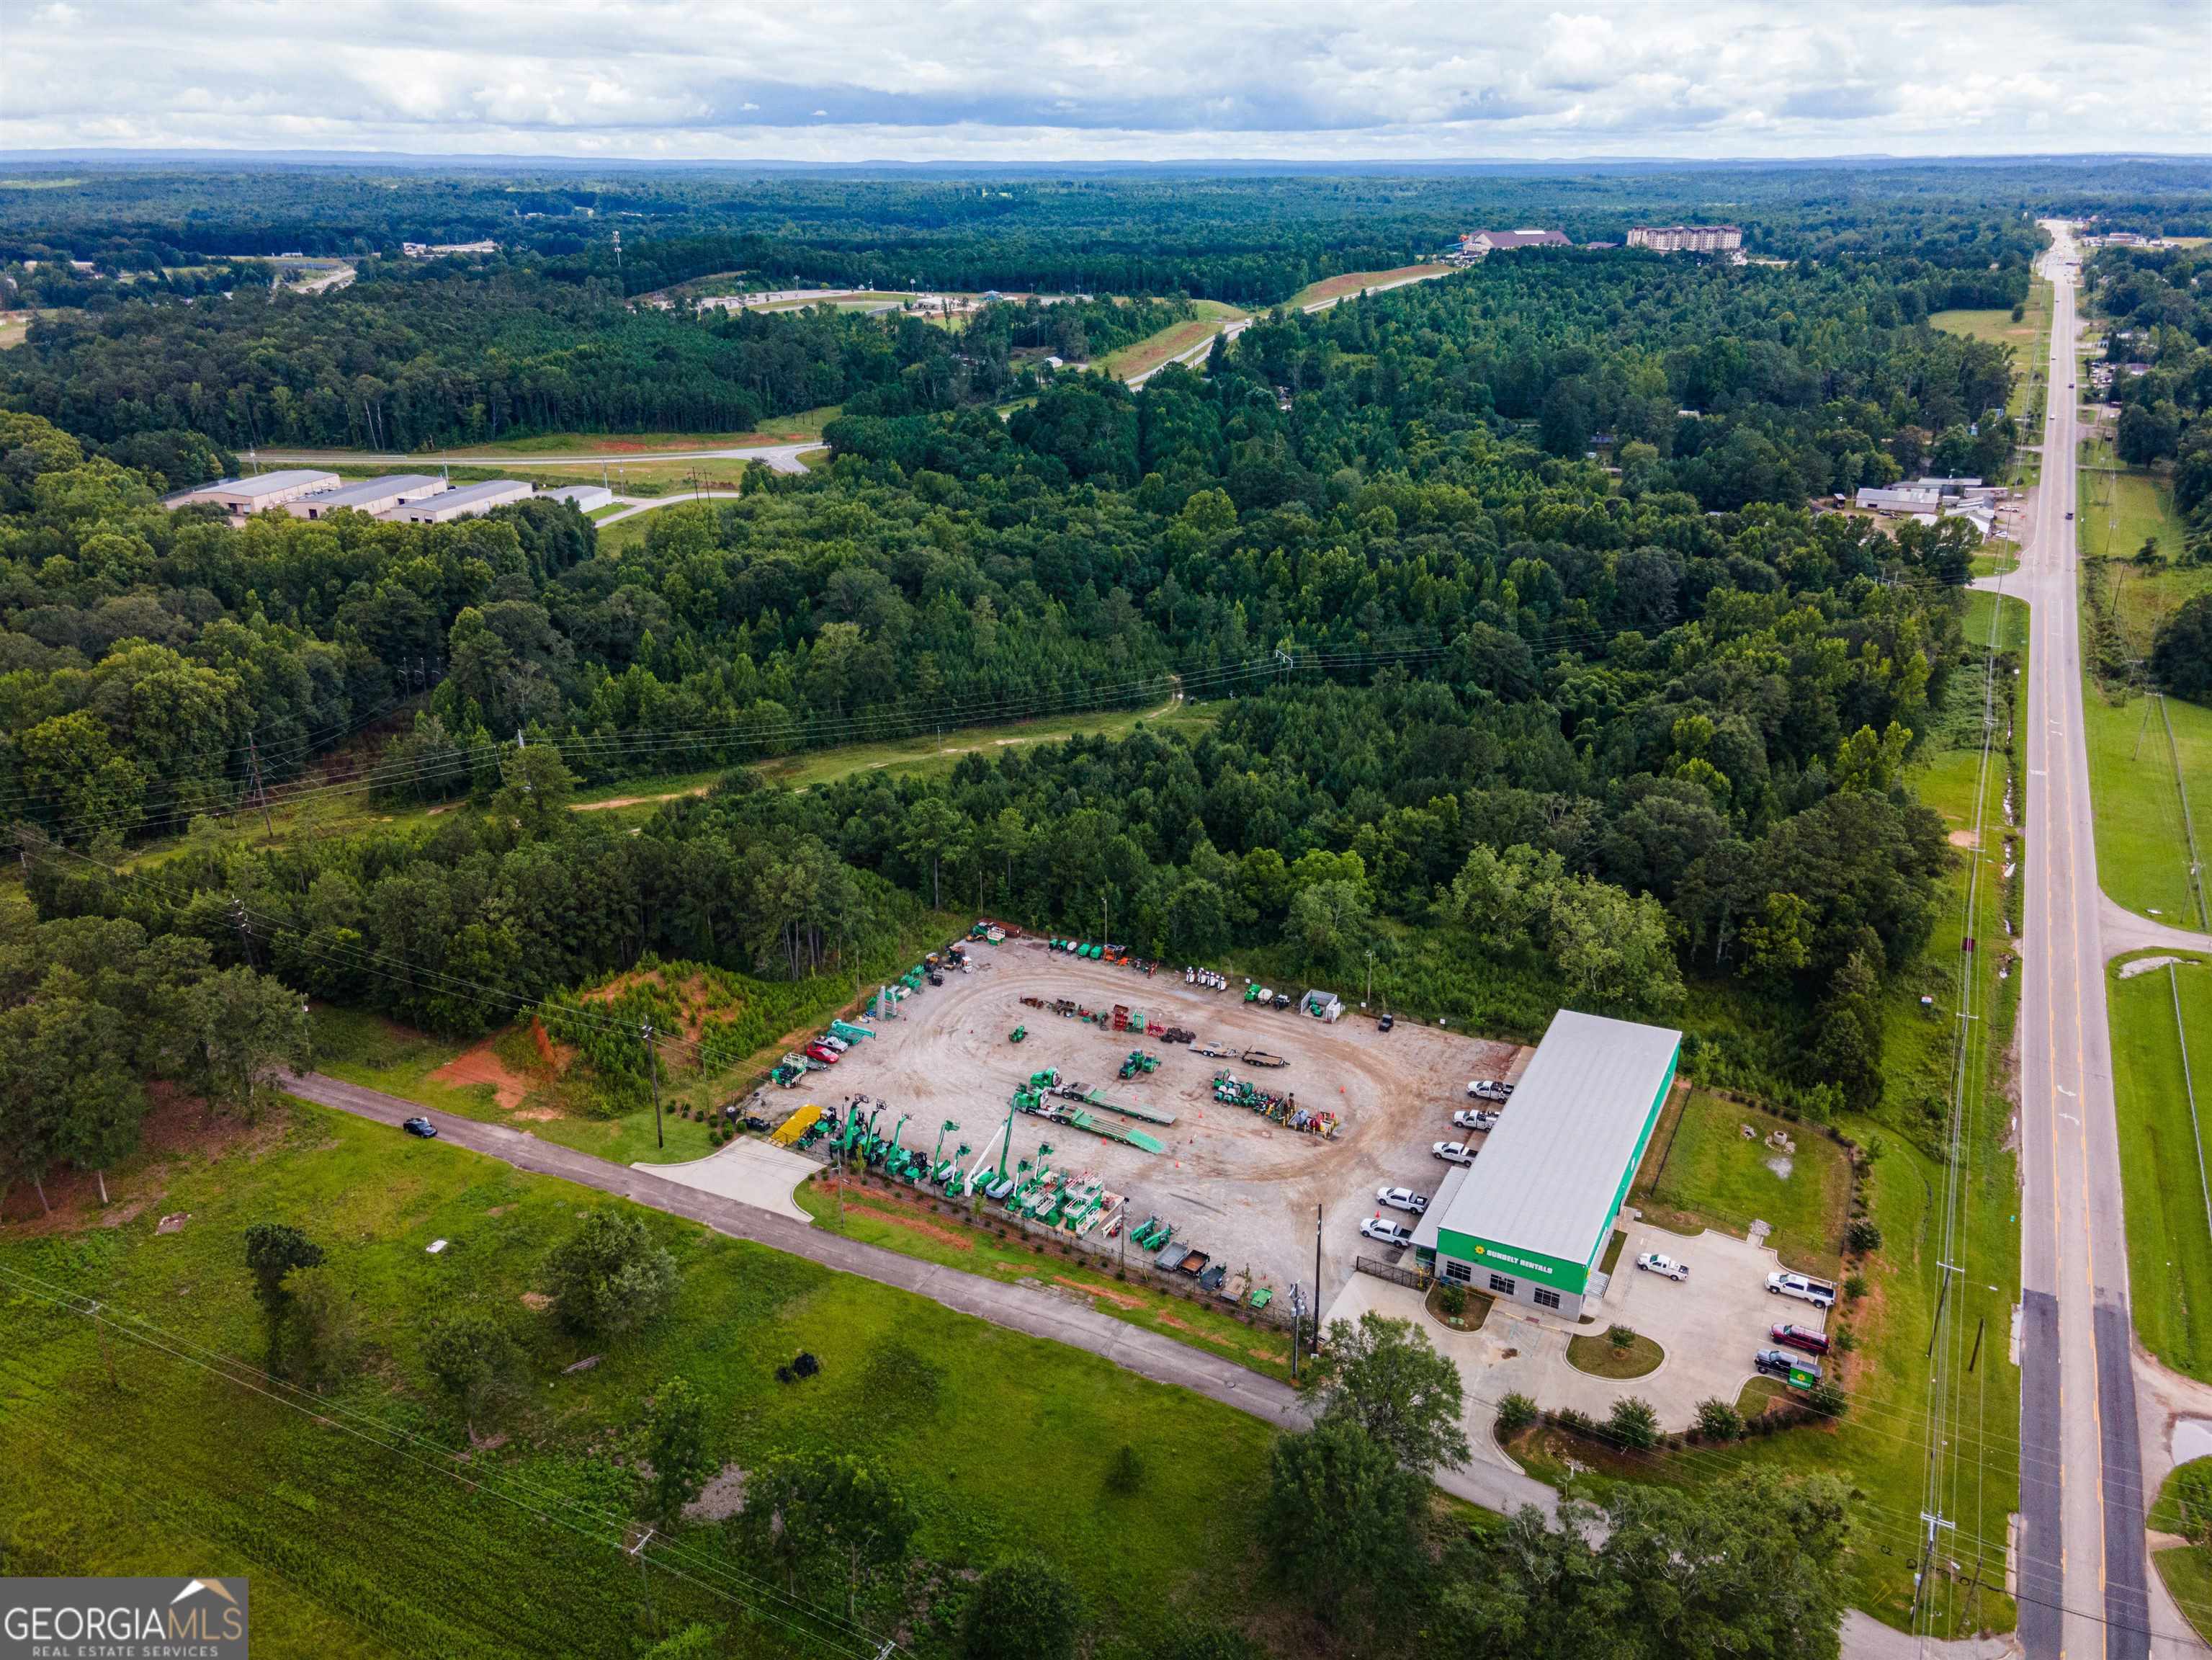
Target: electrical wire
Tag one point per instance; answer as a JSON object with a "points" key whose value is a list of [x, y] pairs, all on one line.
{"points": [[332, 1413]]}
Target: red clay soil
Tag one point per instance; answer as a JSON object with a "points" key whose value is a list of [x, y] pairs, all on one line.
{"points": [[481, 1065], [557, 1056]]}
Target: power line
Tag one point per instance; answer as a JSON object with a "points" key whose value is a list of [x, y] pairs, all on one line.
{"points": [[585, 1519]]}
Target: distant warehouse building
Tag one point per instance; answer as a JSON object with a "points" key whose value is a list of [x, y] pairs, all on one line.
{"points": [[465, 503], [1475, 244], [1531, 1217], [262, 490], [368, 495], [582, 497], [1687, 238]]}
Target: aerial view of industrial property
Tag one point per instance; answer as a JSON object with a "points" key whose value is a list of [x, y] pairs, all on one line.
{"points": [[1291, 830]]}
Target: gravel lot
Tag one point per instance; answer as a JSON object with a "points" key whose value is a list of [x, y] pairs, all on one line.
{"points": [[1233, 1184]]}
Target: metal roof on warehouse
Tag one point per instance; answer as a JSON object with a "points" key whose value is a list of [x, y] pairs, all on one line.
{"points": [[1546, 1178]]}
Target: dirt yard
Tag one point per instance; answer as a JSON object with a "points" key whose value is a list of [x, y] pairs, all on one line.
{"points": [[1234, 1183]]}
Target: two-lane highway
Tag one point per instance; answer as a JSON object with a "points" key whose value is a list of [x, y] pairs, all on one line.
{"points": [[2081, 1565]]}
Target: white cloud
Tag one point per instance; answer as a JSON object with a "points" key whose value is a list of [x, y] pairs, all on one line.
{"points": [[967, 80]]}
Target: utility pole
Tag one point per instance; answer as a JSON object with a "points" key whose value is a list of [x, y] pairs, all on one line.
{"points": [[645, 1578], [254, 755], [653, 1065], [1317, 1309], [245, 930]]}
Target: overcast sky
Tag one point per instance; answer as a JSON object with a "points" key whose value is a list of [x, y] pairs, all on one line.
{"points": [[1060, 80]]}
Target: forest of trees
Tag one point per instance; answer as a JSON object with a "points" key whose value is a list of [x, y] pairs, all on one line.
{"points": [[2157, 305], [1533, 658], [1210, 233]]}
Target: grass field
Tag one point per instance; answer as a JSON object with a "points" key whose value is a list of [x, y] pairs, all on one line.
{"points": [[781, 429], [941, 752], [355, 1549], [625, 478], [633, 799], [2142, 842], [1155, 349], [1700, 1171], [2120, 506], [2136, 775], [2169, 1232], [14, 325], [902, 1223], [2027, 340], [1351, 281]]}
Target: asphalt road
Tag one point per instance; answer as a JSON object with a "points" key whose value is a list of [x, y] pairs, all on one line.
{"points": [[779, 458], [1018, 1308], [2081, 1563]]}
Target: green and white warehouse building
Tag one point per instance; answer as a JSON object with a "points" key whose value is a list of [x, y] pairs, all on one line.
{"points": [[1530, 1217]]}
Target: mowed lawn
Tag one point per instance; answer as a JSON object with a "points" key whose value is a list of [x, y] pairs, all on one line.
{"points": [[2142, 837], [1353, 282], [2169, 1232], [1155, 349], [1701, 1171], [909, 1223], [2137, 775], [424, 1547]]}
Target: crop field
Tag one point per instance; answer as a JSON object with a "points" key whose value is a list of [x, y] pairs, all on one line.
{"points": [[344, 1508]]}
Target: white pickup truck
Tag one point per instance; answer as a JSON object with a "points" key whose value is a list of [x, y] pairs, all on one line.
{"points": [[1819, 1292]]}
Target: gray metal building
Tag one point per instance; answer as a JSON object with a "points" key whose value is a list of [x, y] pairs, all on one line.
{"points": [[1530, 1218], [370, 495]]}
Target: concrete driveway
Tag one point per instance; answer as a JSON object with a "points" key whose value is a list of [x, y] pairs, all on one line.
{"points": [[749, 1171], [1710, 1326]]}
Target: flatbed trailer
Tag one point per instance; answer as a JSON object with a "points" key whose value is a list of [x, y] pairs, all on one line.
{"points": [[1093, 1099]]}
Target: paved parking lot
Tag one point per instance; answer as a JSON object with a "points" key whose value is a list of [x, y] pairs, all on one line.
{"points": [[1709, 1327]]}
